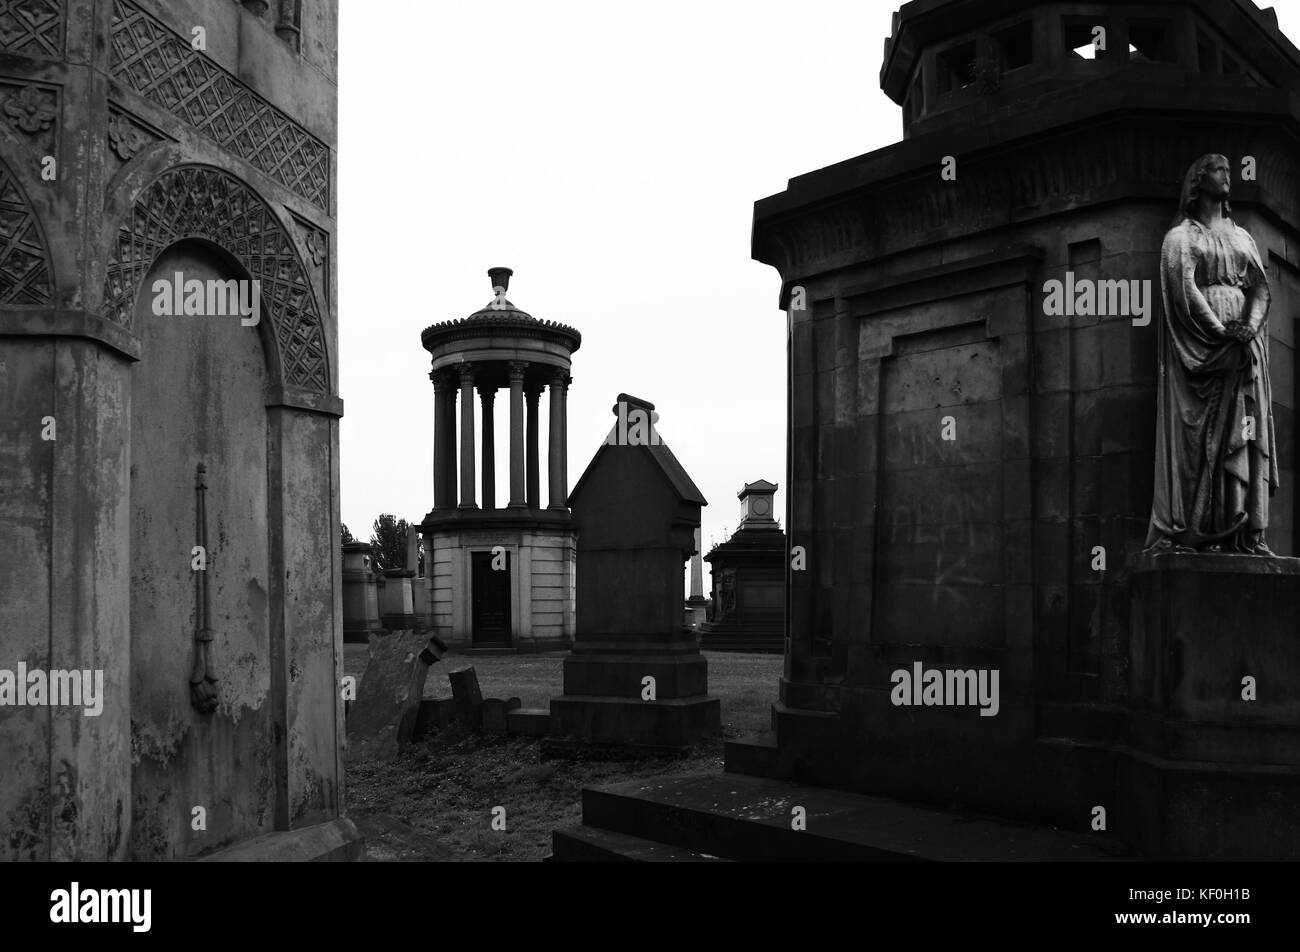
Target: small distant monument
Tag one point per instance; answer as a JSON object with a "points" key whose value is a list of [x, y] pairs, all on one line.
{"points": [[697, 605], [360, 593], [635, 678], [749, 579]]}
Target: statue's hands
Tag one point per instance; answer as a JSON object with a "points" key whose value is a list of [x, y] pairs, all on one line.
{"points": [[1240, 332]]}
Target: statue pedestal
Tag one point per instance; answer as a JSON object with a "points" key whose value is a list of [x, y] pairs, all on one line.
{"points": [[1212, 773]]}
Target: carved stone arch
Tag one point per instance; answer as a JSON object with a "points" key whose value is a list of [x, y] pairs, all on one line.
{"points": [[26, 277], [208, 203]]}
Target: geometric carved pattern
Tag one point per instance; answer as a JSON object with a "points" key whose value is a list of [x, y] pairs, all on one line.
{"points": [[24, 261], [31, 27], [167, 71], [199, 201]]}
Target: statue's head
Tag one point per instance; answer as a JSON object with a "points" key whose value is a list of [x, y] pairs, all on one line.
{"points": [[1209, 175]]}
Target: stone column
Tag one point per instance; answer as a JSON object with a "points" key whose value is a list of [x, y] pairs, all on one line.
{"points": [[517, 499], [534, 484], [564, 440], [488, 396], [555, 440], [467, 437], [697, 570], [444, 439]]}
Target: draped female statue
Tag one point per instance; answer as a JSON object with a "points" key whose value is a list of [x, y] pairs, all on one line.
{"points": [[1216, 465]]}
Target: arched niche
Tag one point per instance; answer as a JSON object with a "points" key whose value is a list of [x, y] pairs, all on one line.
{"points": [[198, 397], [204, 202]]}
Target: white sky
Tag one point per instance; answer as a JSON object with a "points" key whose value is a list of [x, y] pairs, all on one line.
{"points": [[611, 155]]}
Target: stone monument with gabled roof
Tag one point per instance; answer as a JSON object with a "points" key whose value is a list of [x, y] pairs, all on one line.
{"points": [[635, 679]]}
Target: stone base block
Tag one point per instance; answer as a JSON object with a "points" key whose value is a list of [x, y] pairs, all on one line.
{"points": [[529, 721], [1209, 812], [676, 676], [1214, 658], [334, 842], [663, 723]]}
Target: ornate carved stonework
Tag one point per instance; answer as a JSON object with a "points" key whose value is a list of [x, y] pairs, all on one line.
{"points": [[159, 65], [199, 201], [31, 109], [24, 260], [316, 246], [126, 137], [32, 28]]}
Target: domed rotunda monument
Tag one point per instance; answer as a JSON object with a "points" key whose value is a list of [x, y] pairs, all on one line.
{"points": [[503, 576]]}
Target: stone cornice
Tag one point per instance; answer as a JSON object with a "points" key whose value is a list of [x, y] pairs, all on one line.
{"points": [[479, 325], [1121, 147]]}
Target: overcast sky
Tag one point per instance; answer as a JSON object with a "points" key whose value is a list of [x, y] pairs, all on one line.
{"points": [[611, 155]]}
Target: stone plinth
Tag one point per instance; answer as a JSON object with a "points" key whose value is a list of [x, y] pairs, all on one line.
{"points": [[536, 554], [635, 678], [1209, 766]]}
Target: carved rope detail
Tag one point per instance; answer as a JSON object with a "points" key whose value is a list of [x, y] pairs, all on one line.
{"points": [[197, 201], [162, 67], [24, 258]]}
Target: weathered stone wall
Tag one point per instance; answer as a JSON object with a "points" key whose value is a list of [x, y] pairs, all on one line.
{"points": [[127, 150], [542, 567]]}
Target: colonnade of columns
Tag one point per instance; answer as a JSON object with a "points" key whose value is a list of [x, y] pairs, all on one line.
{"points": [[524, 467]]}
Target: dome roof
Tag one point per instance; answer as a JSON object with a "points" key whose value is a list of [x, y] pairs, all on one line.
{"points": [[500, 316]]}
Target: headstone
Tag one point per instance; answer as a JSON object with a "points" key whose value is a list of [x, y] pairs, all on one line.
{"points": [[494, 716], [467, 696], [386, 713], [396, 604], [635, 678]]}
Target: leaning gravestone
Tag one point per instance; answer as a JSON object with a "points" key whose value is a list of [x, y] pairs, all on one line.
{"points": [[635, 680], [467, 696], [383, 718]]}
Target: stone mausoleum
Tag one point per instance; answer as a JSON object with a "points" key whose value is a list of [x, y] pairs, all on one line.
{"points": [[961, 456], [170, 480], [502, 575], [748, 572]]}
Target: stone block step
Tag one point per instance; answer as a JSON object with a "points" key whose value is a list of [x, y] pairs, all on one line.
{"points": [[750, 818], [529, 721], [584, 844], [755, 755]]}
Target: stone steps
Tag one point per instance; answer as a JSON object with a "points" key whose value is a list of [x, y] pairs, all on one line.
{"points": [[584, 844], [749, 819]]}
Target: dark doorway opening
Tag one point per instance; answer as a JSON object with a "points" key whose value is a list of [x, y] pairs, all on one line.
{"points": [[490, 596]]}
